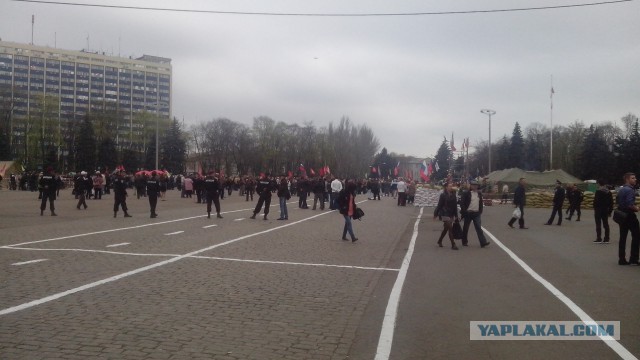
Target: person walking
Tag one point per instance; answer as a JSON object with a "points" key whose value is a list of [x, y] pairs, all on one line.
{"points": [[627, 204], [558, 201], [80, 186], [49, 186], [153, 191], [249, 187], [402, 192], [471, 208], [336, 187], [347, 207], [283, 195], [263, 188], [318, 192], [519, 200], [505, 194], [303, 189], [575, 200], [212, 190], [120, 194], [602, 209], [447, 210], [98, 183]]}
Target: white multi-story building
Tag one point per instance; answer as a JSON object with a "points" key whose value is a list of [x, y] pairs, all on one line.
{"points": [[81, 83]]}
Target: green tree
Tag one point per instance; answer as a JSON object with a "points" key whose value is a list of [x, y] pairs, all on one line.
{"points": [[129, 160], [503, 152], [596, 161], [385, 162], [85, 150], [106, 151], [516, 148], [174, 149], [442, 158]]}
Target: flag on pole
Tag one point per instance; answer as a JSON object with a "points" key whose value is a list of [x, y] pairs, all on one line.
{"points": [[453, 148], [374, 170], [313, 173], [379, 173], [326, 169], [302, 170], [290, 174], [424, 175], [437, 167], [321, 171], [396, 170]]}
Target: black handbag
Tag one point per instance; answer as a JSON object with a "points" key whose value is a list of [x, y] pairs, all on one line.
{"points": [[619, 216], [457, 230], [358, 214]]}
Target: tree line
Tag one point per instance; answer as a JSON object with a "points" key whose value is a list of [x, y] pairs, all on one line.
{"points": [[275, 147], [603, 150]]}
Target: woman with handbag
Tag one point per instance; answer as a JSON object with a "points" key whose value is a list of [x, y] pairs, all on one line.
{"points": [[347, 207], [447, 210]]}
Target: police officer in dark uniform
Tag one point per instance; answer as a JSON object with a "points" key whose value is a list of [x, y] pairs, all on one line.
{"points": [[212, 190], [153, 189], [263, 188], [558, 201], [48, 185], [120, 194], [80, 186], [13, 183]]}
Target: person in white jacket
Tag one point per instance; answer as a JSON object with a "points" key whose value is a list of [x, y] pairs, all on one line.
{"points": [[402, 192]]}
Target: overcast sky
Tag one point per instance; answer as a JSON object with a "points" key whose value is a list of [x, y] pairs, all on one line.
{"points": [[412, 79]]}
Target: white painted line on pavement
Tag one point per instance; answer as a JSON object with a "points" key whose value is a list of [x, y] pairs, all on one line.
{"points": [[175, 233], [29, 262], [240, 219], [88, 250], [295, 263], [389, 323], [609, 340], [59, 295], [208, 226], [116, 245], [210, 258], [119, 229]]}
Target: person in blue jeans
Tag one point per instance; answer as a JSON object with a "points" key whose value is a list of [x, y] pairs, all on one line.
{"points": [[347, 207], [283, 195], [471, 207]]}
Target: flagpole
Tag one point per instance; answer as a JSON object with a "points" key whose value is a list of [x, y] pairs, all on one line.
{"points": [[551, 132]]}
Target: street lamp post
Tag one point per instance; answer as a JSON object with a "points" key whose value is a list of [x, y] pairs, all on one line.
{"points": [[489, 113]]}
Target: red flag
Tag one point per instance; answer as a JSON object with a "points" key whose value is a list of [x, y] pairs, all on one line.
{"points": [[374, 170], [313, 173], [261, 175], [321, 171], [302, 170], [396, 170], [290, 173]]}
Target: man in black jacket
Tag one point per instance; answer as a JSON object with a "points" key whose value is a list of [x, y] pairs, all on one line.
{"points": [[212, 189], [263, 188], [519, 200], [575, 200], [602, 208], [558, 200], [471, 208], [153, 189], [120, 194], [49, 186]]}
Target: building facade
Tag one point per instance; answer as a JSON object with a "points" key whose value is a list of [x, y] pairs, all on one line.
{"points": [[70, 85]]}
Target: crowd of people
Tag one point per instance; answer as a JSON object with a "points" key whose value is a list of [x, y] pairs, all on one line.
{"points": [[328, 191]]}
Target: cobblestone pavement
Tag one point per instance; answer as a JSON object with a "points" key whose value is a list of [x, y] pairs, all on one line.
{"points": [[84, 285]]}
